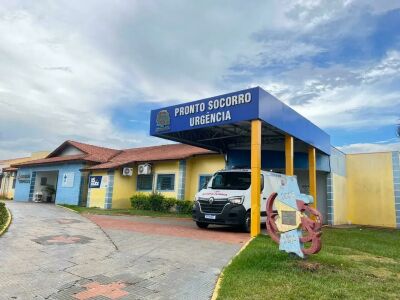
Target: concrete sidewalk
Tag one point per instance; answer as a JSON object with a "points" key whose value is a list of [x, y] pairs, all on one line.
{"points": [[52, 253]]}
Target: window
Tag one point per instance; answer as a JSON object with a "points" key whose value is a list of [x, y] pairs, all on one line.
{"points": [[203, 181], [144, 183], [165, 182], [43, 181], [13, 184], [231, 181], [234, 181]]}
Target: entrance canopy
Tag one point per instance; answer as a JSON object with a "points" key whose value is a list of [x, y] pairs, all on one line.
{"points": [[223, 123], [250, 120]]}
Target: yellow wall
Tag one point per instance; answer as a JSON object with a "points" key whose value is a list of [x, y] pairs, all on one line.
{"points": [[340, 207], [124, 188], [166, 167], [6, 189], [97, 196], [201, 165], [370, 189], [39, 155]]}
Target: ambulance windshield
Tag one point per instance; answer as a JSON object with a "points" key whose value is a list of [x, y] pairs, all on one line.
{"points": [[231, 181]]}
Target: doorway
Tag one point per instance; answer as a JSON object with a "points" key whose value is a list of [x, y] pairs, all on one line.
{"points": [[45, 189]]}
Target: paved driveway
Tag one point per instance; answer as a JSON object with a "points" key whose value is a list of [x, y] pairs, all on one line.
{"points": [[52, 253]]}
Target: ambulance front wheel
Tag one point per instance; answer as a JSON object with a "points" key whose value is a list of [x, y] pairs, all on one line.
{"points": [[247, 222]]}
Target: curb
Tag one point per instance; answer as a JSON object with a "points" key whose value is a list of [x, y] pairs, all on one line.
{"points": [[122, 214], [221, 275], [2, 231], [67, 208], [97, 225]]}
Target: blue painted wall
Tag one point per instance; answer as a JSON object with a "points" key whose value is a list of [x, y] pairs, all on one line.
{"points": [[275, 160], [65, 195]]}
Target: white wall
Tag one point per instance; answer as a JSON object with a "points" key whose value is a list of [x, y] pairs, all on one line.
{"points": [[70, 150]]}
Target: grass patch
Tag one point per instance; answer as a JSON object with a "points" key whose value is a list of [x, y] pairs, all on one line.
{"points": [[127, 211], [356, 263]]}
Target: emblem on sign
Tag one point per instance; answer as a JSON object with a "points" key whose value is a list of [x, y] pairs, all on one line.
{"points": [[163, 120], [292, 223]]}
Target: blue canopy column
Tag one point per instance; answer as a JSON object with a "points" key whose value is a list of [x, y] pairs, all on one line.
{"points": [[249, 121]]}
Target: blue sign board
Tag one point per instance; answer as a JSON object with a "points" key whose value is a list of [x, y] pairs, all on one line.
{"points": [[245, 105], [95, 182], [224, 109]]}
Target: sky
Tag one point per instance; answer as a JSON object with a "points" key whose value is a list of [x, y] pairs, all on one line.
{"points": [[92, 70]]}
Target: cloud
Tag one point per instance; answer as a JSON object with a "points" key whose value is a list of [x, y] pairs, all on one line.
{"points": [[67, 65], [389, 68], [370, 147], [343, 96], [54, 85]]}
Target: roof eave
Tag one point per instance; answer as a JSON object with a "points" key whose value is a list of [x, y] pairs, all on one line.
{"points": [[48, 163]]}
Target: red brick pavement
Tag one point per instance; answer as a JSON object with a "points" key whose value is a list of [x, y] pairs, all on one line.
{"points": [[214, 234], [112, 291]]}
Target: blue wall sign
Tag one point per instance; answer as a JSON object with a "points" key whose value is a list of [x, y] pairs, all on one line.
{"points": [[224, 109], [95, 182], [24, 178]]}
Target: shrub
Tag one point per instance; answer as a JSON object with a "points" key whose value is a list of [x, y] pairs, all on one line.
{"points": [[3, 215], [184, 206], [158, 202], [140, 201], [169, 204]]}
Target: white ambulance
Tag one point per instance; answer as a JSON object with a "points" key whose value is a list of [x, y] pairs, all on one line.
{"points": [[226, 198]]}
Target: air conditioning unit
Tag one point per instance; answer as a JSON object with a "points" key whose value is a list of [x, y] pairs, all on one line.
{"points": [[144, 169], [127, 171]]}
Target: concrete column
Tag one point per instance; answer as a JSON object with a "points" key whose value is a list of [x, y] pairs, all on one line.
{"points": [[289, 154], [110, 190], [181, 179], [32, 186], [255, 176], [312, 174], [396, 185], [89, 191], [329, 199]]}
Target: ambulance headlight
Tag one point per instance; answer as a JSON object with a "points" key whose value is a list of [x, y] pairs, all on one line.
{"points": [[236, 199]]}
